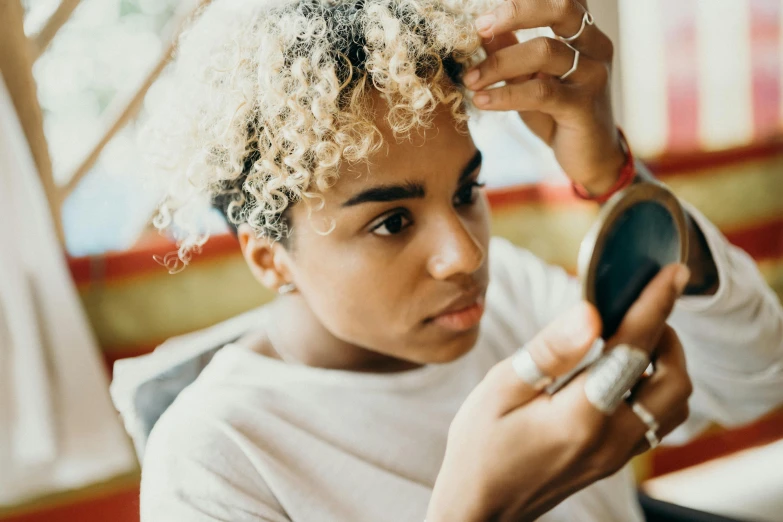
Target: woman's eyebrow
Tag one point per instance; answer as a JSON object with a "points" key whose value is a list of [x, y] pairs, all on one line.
{"points": [[408, 190], [385, 193]]}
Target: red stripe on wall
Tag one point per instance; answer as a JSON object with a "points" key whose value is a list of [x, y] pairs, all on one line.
{"points": [[765, 67], [120, 506], [762, 242], [667, 459], [682, 82], [688, 164]]}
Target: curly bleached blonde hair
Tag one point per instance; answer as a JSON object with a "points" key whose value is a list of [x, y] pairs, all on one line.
{"points": [[266, 98]]}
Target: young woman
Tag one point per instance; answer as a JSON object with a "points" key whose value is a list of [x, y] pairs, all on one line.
{"points": [[387, 382]]}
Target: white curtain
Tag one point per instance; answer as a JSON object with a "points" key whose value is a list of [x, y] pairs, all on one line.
{"points": [[58, 428]]}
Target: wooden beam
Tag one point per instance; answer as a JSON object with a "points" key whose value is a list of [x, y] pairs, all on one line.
{"points": [[40, 42], [16, 66], [123, 111]]}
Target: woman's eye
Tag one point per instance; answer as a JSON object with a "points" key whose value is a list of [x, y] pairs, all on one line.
{"points": [[392, 225], [467, 194]]}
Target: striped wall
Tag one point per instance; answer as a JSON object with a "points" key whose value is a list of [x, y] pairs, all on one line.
{"points": [[701, 75], [133, 303], [703, 88]]}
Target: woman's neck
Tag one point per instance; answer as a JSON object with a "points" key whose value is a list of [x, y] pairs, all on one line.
{"points": [[293, 334]]}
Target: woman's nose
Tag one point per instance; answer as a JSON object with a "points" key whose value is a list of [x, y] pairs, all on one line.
{"points": [[455, 251]]}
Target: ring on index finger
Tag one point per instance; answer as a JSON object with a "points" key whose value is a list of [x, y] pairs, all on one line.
{"points": [[527, 370], [613, 375], [574, 67], [587, 19]]}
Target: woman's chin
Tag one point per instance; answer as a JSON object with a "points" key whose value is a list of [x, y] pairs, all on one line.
{"points": [[452, 349]]}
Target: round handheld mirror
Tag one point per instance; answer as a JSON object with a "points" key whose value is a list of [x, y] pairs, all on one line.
{"points": [[638, 232]]}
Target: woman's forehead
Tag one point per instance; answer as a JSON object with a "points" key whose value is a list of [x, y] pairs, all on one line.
{"points": [[438, 152], [442, 153]]}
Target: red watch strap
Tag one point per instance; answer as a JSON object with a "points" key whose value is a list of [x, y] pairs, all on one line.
{"points": [[627, 175]]}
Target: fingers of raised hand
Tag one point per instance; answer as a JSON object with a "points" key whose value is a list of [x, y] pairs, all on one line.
{"points": [[541, 55], [500, 41], [545, 94], [564, 16]]}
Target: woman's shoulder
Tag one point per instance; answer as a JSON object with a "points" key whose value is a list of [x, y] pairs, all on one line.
{"points": [[206, 428], [216, 398], [189, 426], [196, 463], [192, 422]]}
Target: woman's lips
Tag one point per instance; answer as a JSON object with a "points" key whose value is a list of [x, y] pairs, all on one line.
{"points": [[463, 319]]}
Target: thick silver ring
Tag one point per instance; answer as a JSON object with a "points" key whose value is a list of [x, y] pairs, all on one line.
{"points": [[649, 420], [574, 67], [587, 19], [527, 370], [613, 375]]}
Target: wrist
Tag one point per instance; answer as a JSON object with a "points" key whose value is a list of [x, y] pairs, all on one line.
{"points": [[622, 166], [612, 170]]}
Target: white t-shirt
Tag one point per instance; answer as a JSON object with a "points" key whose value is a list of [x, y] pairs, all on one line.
{"points": [[254, 438]]}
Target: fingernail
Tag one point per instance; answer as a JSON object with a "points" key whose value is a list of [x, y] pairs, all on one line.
{"points": [[579, 328], [471, 77], [481, 99], [681, 278], [485, 22]]}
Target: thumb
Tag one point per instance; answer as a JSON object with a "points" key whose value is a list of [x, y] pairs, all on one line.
{"points": [[556, 350], [645, 320]]}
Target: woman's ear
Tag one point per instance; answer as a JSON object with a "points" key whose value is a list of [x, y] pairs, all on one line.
{"points": [[267, 260]]}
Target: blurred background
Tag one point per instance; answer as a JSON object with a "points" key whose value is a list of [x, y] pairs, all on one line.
{"points": [[698, 88]]}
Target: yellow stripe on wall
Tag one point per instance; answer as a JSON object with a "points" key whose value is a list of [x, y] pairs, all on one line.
{"points": [[551, 232], [148, 309], [735, 196]]}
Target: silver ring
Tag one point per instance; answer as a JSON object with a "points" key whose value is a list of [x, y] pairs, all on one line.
{"points": [[527, 370], [649, 420], [652, 438], [574, 66], [613, 375], [587, 19]]}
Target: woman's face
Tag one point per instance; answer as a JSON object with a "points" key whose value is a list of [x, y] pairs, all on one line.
{"points": [[409, 245]]}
